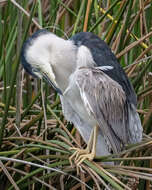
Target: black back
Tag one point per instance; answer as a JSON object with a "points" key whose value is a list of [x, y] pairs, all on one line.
{"points": [[103, 56]]}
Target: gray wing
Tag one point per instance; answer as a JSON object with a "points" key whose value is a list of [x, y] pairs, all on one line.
{"points": [[106, 101]]}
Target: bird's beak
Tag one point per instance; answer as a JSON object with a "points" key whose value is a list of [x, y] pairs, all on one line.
{"points": [[52, 82]]}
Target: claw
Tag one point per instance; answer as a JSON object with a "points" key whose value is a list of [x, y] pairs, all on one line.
{"points": [[80, 156], [71, 157], [76, 154], [84, 157]]}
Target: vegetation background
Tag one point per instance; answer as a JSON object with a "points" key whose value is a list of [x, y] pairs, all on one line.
{"points": [[34, 136]]}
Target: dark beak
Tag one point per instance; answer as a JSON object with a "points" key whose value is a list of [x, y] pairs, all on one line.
{"points": [[47, 79]]}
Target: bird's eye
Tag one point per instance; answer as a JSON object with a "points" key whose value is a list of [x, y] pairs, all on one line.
{"points": [[35, 70]]}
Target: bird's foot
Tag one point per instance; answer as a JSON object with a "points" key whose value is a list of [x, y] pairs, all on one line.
{"points": [[80, 155], [81, 158], [78, 152]]}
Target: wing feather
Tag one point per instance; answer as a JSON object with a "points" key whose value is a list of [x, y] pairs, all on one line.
{"points": [[106, 101]]}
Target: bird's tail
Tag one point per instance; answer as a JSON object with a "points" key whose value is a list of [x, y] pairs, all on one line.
{"points": [[134, 124], [134, 131]]}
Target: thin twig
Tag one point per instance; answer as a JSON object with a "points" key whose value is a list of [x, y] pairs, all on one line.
{"points": [[35, 178], [43, 167], [9, 176], [62, 125], [129, 47], [87, 16], [26, 13]]}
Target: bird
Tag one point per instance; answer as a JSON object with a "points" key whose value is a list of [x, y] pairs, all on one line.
{"points": [[96, 94]]}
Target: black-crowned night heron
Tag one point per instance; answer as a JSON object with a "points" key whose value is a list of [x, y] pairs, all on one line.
{"points": [[95, 92]]}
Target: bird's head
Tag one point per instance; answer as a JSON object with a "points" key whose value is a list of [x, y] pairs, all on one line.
{"points": [[36, 57]]}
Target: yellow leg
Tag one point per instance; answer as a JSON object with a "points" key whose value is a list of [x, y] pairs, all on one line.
{"points": [[79, 151], [89, 152]]}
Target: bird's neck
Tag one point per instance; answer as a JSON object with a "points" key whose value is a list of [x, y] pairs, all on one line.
{"points": [[64, 63]]}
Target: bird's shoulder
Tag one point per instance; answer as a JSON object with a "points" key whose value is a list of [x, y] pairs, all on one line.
{"points": [[93, 80]]}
